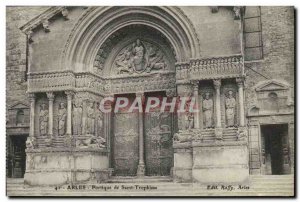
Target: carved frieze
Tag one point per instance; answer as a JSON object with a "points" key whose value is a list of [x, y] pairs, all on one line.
{"points": [[211, 68]]}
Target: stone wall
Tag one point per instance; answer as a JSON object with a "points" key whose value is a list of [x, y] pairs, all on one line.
{"points": [[277, 63], [16, 51]]}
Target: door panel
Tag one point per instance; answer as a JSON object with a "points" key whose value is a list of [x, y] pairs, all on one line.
{"points": [[158, 143], [18, 156], [125, 144]]}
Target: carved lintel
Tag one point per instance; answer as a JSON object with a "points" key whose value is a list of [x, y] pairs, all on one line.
{"points": [[65, 13], [214, 9], [46, 25]]}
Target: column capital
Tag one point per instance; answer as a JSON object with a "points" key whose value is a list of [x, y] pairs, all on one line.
{"points": [[170, 93], [31, 97], [217, 83], [195, 85], [139, 94], [50, 96], [69, 94], [240, 81]]}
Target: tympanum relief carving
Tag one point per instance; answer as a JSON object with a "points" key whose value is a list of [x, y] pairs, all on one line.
{"points": [[139, 57]]}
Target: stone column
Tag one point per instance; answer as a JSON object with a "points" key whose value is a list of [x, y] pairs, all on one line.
{"points": [[107, 127], [218, 131], [69, 110], [50, 96], [32, 107], [141, 166], [240, 83], [197, 113]]}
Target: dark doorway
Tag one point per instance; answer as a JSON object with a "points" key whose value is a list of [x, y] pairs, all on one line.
{"points": [[17, 156], [276, 147]]}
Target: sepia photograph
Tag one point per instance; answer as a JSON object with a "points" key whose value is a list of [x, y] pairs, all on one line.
{"points": [[150, 101]]}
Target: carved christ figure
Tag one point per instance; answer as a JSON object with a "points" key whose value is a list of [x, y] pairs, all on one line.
{"points": [[43, 119], [230, 109], [138, 52], [77, 118], [90, 125], [62, 116], [208, 110]]}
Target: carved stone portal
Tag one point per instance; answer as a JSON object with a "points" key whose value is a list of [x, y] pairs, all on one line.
{"points": [[140, 57]]}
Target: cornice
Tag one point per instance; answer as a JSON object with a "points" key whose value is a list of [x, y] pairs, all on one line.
{"points": [[38, 20]]}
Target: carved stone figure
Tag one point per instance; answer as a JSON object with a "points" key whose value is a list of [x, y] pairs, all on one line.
{"points": [[140, 57], [124, 63], [30, 143], [242, 134], [92, 142], [90, 124], [208, 111], [62, 117], [77, 117], [230, 109], [182, 137], [43, 120], [189, 121], [100, 124]]}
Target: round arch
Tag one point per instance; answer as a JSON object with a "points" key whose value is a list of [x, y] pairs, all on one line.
{"points": [[97, 24]]}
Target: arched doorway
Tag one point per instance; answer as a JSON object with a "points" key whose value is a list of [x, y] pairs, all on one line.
{"points": [[137, 53]]}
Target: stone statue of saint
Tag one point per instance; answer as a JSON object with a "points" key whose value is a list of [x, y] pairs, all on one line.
{"points": [[208, 111], [77, 117], [189, 121], [43, 119], [62, 118], [90, 124], [230, 109], [100, 125]]}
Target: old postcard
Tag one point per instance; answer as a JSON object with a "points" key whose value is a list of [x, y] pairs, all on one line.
{"points": [[150, 101]]}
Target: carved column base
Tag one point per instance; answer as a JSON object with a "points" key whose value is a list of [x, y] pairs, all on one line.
{"points": [[141, 170], [219, 134], [68, 140], [242, 134], [31, 142]]}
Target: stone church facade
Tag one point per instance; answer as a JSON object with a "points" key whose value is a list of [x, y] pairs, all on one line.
{"points": [[238, 63]]}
